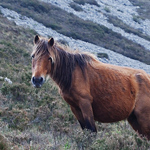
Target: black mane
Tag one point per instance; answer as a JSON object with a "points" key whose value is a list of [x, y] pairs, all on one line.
{"points": [[62, 70]]}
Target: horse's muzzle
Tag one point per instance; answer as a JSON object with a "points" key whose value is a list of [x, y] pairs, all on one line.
{"points": [[37, 81]]}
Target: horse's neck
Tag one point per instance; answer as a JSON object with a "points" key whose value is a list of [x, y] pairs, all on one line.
{"points": [[62, 69]]}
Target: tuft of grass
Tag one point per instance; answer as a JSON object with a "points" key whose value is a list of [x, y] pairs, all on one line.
{"points": [[4, 143]]}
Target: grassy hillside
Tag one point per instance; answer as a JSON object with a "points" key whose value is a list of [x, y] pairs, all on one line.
{"points": [[33, 119], [22, 106], [72, 26]]}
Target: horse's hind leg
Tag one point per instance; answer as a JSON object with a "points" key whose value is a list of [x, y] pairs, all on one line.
{"points": [[88, 116], [140, 117], [132, 119]]}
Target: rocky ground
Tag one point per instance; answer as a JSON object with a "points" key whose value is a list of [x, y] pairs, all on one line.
{"points": [[123, 10], [96, 14]]}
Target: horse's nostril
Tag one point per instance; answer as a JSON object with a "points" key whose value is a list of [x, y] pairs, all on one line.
{"points": [[41, 79], [33, 79], [37, 80]]}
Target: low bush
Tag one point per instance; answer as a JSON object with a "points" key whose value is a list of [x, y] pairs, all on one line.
{"points": [[4, 143], [102, 55], [75, 7], [91, 2]]}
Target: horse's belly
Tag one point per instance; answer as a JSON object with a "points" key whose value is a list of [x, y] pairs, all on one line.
{"points": [[107, 118], [113, 111]]}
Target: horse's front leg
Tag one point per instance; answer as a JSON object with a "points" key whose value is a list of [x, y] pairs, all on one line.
{"points": [[78, 114], [81, 106], [85, 117], [87, 112]]}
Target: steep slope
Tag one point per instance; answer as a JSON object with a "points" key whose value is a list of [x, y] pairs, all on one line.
{"points": [[114, 58], [33, 119], [73, 26]]}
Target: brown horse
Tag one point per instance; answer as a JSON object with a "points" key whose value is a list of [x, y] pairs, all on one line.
{"points": [[94, 90]]}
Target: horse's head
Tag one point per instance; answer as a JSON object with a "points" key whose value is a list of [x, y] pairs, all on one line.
{"points": [[41, 60]]}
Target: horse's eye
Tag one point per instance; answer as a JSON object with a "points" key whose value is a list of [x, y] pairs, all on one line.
{"points": [[50, 58], [32, 56]]}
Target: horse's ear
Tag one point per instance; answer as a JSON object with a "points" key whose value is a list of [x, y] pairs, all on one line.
{"points": [[51, 42], [36, 39]]}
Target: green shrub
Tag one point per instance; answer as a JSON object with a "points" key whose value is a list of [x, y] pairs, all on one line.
{"points": [[102, 55], [107, 9], [4, 144], [137, 19], [15, 91], [91, 2], [64, 42], [75, 7]]}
